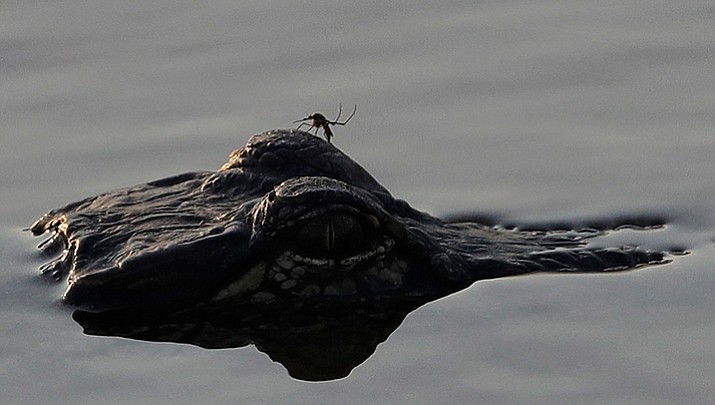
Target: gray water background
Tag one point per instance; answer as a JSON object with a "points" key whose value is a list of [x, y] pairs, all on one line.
{"points": [[526, 110]]}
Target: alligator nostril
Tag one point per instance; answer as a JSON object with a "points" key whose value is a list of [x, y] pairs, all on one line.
{"points": [[332, 235]]}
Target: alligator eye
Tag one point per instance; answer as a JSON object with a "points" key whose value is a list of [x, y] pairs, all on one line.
{"points": [[333, 234]]}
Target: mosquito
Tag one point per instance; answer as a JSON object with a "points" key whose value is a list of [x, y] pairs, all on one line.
{"points": [[319, 121]]}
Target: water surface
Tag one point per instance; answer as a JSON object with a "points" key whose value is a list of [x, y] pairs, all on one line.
{"points": [[527, 111]]}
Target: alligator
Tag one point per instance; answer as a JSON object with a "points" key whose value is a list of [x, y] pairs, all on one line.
{"points": [[289, 222]]}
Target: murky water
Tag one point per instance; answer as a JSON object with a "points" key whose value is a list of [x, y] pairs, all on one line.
{"points": [[527, 111]]}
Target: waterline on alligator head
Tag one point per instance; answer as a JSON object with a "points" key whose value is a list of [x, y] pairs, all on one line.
{"points": [[303, 277]]}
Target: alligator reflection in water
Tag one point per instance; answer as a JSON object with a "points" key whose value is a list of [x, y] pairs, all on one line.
{"points": [[291, 246], [313, 344]]}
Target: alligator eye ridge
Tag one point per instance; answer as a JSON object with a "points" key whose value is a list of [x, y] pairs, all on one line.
{"points": [[334, 235]]}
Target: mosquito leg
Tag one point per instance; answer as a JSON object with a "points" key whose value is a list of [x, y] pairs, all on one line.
{"points": [[340, 111], [348, 119]]}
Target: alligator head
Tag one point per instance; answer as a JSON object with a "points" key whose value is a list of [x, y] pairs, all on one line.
{"points": [[289, 218], [291, 246]]}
